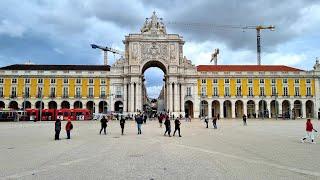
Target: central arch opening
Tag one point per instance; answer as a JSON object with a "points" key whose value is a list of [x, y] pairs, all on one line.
{"points": [[153, 88]]}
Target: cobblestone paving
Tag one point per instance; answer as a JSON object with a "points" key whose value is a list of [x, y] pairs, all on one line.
{"points": [[265, 149]]}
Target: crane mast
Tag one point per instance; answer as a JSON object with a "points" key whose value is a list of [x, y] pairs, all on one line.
{"points": [[258, 29], [106, 50]]}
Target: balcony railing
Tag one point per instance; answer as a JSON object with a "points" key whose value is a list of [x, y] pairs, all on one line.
{"points": [[78, 96], [103, 96], [39, 95], [188, 96], [52, 95], [118, 96], [227, 95], [309, 95], [65, 96], [250, 95], [26, 95], [90, 96], [13, 96], [239, 95]]}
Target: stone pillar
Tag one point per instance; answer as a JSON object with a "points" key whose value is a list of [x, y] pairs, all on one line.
{"points": [[132, 97], [221, 109], [233, 109], [96, 108], [280, 108], [303, 108], [125, 97], [182, 98], [170, 95], [245, 109], [256, 103], [196, 110], [268, 108], [176, 98], [209, 109], [138, 96]]}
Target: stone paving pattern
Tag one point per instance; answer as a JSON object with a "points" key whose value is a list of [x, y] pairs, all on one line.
{"points": [[265, 149]]}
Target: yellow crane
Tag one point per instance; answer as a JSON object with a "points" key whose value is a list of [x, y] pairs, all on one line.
{"points": [[258, 29]]}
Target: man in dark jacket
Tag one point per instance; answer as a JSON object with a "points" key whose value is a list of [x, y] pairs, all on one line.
{"points": [[168, 126], [139, 121], [57, 127], [206, 120], [145, 117], [177, 126], [122, 122], [214, 122], [103, 122]]}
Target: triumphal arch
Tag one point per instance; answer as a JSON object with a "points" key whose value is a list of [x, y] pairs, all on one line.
{"points": [[153, 47]]}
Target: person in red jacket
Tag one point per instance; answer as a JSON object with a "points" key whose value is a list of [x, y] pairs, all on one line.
{"points": [[69, 127], [309, 132]]}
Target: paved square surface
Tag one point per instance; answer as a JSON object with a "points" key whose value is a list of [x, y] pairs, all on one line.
{"points": [[265, 149]]}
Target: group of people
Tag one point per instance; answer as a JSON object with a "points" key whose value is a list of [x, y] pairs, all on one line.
{"points": [[68, 128], [165, 119]]}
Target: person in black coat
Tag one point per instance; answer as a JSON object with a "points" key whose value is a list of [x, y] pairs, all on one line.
{"points": [[139, 121], [214, 122], [103, 122], [122, 122], [57, 127], [244, 118], [177, 126], [145, 117], [168, 126], [206, 120]]}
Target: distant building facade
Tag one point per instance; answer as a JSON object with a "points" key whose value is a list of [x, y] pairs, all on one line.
{"points": [[205, 90]]}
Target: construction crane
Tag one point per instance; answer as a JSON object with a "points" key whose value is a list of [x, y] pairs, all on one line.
{"points": [[258, 29], [105, 51]]}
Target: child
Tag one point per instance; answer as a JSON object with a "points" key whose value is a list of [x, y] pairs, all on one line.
{"points": [[309, 133]]}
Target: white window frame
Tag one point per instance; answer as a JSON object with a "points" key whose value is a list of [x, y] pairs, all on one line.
{"points": [[1, 80], [40, 80], [14, 81]]}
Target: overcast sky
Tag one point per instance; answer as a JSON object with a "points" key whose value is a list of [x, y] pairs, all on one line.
{"points": [[59, 31]]}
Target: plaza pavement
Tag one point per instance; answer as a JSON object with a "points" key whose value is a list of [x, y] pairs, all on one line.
{"points": [[265, 149]]}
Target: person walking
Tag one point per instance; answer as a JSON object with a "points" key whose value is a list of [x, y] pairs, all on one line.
{"points": [[218, 116], [122, 122], [244, 119], [57, 128], [214, 122], [309, 132], [104, 125], [69, 127], [139, 121], [177, 126], [168, 126], [206, 120]]}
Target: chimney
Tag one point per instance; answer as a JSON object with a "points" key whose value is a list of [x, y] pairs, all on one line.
{"points": [[105, 57]]}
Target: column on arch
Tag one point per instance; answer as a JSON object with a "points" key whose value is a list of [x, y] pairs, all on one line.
{"points": [[176, 97], [256, 103], [245, 108], [182, 91], [132, 97], [170, 97], [221, 109], [125, 97], [138, 96]]}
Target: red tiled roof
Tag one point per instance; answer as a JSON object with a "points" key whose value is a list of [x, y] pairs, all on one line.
{"points": [[246, 68], [62, 67]]}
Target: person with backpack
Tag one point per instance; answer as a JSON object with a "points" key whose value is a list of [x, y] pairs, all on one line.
{"points": [[168, 126], [69, 127], [104, 125], [122, 122], [57, 127], [206, 120], [177, 126], [214, 122], [244, 119], [309, 132]]}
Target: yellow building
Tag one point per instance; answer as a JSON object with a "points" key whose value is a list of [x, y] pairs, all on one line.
{"points": [[255, 90], [56, 86]]}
